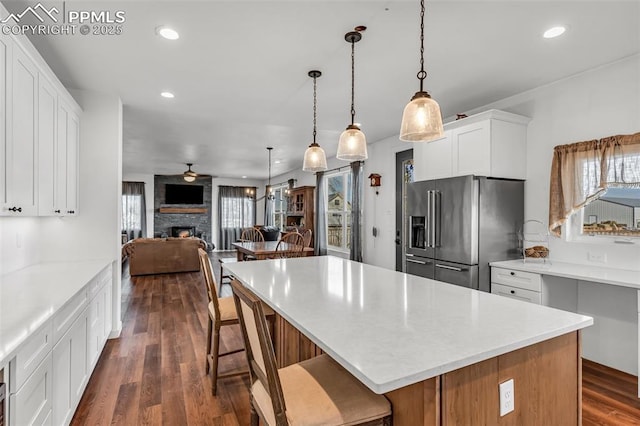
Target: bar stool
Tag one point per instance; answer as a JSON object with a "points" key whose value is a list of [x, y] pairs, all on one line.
{"points": [[317, 391], [222, 312]]}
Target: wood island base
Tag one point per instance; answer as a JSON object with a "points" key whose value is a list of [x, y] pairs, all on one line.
{"points": [[547, 385]]}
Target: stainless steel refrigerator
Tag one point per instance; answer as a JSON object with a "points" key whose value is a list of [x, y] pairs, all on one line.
{"points": [[458, 225]]}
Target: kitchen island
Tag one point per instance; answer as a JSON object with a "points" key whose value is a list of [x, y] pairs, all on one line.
{"points": [[436, 350]]}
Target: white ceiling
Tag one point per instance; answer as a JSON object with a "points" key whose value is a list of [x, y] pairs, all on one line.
{"points": [[239, 69]]}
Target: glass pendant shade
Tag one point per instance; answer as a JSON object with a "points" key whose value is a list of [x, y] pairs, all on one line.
{"points": [[352, 145], [421, 120], [189, 178], [314, 159]]}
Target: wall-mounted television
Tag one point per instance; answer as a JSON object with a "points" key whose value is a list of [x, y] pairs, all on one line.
{"points": [[183, 194]]}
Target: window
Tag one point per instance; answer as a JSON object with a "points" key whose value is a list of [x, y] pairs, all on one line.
{"points": [[132, 215], [596, 186], [617, 212], [237, 211], [280, 205], [134, 221], [339, 210]]}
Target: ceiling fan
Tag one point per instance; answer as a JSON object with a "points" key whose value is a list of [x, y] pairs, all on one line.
{"points": [[190, 176]]}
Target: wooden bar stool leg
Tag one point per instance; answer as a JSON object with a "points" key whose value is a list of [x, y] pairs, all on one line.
{"points": [[255, 419], [209, 332], [214, 356]]}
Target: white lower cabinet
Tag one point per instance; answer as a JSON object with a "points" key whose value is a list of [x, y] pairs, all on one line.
{"points": [[70, 371], [32, 403], [516, 284], [52, 368]]}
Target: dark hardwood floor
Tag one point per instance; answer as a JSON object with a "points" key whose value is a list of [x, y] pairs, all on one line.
{"points": [[154, 373]]}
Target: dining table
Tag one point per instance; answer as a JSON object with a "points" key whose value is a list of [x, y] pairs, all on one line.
{"points": [[265, 249]]}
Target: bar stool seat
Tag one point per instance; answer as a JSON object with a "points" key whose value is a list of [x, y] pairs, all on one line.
{"points": [[227, 309], [322, 390]]}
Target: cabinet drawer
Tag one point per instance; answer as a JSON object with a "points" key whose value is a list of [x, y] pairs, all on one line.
{"points": [[68, 313], [523, 280], [31, 353], [32, 405], [516, 293]]}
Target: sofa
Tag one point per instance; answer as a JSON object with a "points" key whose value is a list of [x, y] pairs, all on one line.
{"points": [[163, 255]]}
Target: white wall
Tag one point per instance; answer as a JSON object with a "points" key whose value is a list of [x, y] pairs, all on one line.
{"points": [[148, 195], [95, 232], [601, 102], [19, 243]]}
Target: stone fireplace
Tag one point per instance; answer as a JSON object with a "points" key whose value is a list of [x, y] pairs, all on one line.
{"points": [[172, 220]]}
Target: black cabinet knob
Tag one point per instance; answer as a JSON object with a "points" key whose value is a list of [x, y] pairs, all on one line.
{"points": [[56, 211], [513, 292], [513, 273], [71, 211], [15, 209]]}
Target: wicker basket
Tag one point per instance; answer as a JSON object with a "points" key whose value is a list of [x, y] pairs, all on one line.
{"points": [[539, 252]]}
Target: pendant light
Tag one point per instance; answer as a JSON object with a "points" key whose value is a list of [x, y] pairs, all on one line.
{"points": [[268, 192], [314, 158], [352, 145], [421, 120]]}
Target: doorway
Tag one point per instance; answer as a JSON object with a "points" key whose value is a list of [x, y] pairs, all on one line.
{"points": [[404, 175]]}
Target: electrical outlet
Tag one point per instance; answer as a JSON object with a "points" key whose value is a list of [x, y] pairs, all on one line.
{"points": [[507, 397], [597, 257]]}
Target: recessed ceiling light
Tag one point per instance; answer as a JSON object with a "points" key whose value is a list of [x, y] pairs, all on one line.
{"points": [[278, 161], [168, 33], [554, 32], [167, 95], [244, 177]]}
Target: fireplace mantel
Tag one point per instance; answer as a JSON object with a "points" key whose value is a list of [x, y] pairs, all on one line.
{"points": [[182, 210]]}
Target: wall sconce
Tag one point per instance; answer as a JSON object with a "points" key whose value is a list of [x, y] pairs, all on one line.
{"points": [[374, 179], [250, 192]]}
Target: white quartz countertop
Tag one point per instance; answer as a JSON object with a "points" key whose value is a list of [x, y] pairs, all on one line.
{"points": [[391, 329], [619, 277], [30, 296]]}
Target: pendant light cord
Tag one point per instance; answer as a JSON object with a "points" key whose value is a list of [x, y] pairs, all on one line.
{"points": [[353, 65], [315, 101], [422, 74]]}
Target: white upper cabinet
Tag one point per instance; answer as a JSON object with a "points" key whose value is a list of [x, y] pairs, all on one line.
{"points": [[21, 145], [492, 143], [39, 136], [69, 138], [49, 190]]}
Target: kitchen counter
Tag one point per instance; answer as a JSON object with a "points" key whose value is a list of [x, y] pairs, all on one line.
{"points": [[390, 329], [30, 296], [619, 277]]}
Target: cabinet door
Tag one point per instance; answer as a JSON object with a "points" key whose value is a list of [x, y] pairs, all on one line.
{"points": [[96, 327], [32, 404], [471, 149], [69, 370], [432, 160], [48, 158], [21, 144], [68, 135], [5, 60], [73, 140]]}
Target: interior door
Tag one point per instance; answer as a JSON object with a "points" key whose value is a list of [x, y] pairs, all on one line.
{"points": [[404, 175], [456, 201]]}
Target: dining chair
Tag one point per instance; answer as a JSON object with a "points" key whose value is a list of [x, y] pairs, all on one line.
{"points": [[317, 391], [249, 235], [306, 236], [290, 245]]}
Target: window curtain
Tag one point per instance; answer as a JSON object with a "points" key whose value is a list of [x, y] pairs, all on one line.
{"points": [[269, 206], [236, 211], [356, 211], [134, 210], [581, 172], [320, 231]]}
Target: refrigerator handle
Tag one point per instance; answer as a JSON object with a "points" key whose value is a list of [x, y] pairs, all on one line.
{"points": [[432, 219], [437, 240], [428, 221]]}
